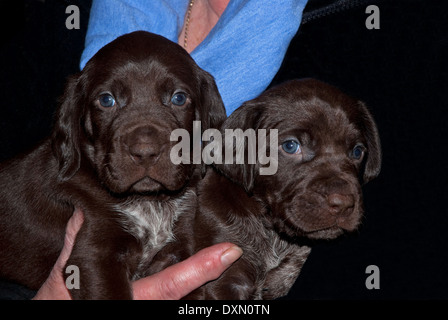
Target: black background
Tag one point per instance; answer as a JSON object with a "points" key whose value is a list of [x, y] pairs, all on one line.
{"points": [[399, 71]]}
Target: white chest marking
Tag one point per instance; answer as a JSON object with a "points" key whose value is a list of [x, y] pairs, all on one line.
{"points": [[151, 222]]}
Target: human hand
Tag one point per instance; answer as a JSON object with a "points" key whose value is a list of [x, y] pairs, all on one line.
{"points": [[172, 283]]}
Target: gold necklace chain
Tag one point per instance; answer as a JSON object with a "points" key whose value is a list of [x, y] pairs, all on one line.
{"points": [[187, 23]]}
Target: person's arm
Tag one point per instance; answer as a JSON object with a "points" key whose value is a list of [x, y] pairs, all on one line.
{"points": [[172, 283], [110, 19]]}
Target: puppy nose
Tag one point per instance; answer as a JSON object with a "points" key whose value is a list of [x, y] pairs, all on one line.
{"points": [[141, 152], [339, 203], [142, 146]]}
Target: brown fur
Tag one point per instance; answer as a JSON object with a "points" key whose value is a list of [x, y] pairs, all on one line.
{"points": [[113, 163], [315, 194]]}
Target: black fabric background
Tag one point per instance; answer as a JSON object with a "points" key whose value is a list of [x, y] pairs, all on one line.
{"points": [[399, 71]]}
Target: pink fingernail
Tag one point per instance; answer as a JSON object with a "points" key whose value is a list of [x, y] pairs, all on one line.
{"points": [[231, 255]]}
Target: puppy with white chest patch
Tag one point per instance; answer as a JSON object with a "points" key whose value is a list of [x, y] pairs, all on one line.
{"points": [[109, 154], [328, 146]]}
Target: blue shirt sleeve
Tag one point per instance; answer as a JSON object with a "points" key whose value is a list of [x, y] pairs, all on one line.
{"points": [[243, 51]]}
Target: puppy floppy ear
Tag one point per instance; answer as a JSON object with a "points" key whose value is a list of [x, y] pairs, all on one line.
{"points": [[370, 131], [66, 132], [246, 120], [211, 111]]}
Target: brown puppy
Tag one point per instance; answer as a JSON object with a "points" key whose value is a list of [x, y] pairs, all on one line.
{"points": [[328, 145], [109, 154]]}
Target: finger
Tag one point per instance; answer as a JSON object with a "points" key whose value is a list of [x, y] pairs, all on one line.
{"points": [[180, 279], [73, 227], [54, 287]]}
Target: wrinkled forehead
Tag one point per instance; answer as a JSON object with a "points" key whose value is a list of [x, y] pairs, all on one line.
{"points": [[316, 117], [145, 72], [140, 56]]}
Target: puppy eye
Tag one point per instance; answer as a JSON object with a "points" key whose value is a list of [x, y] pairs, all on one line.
{"points": [[291, 147], [357, 152], [179, 98], [106, 100]]}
